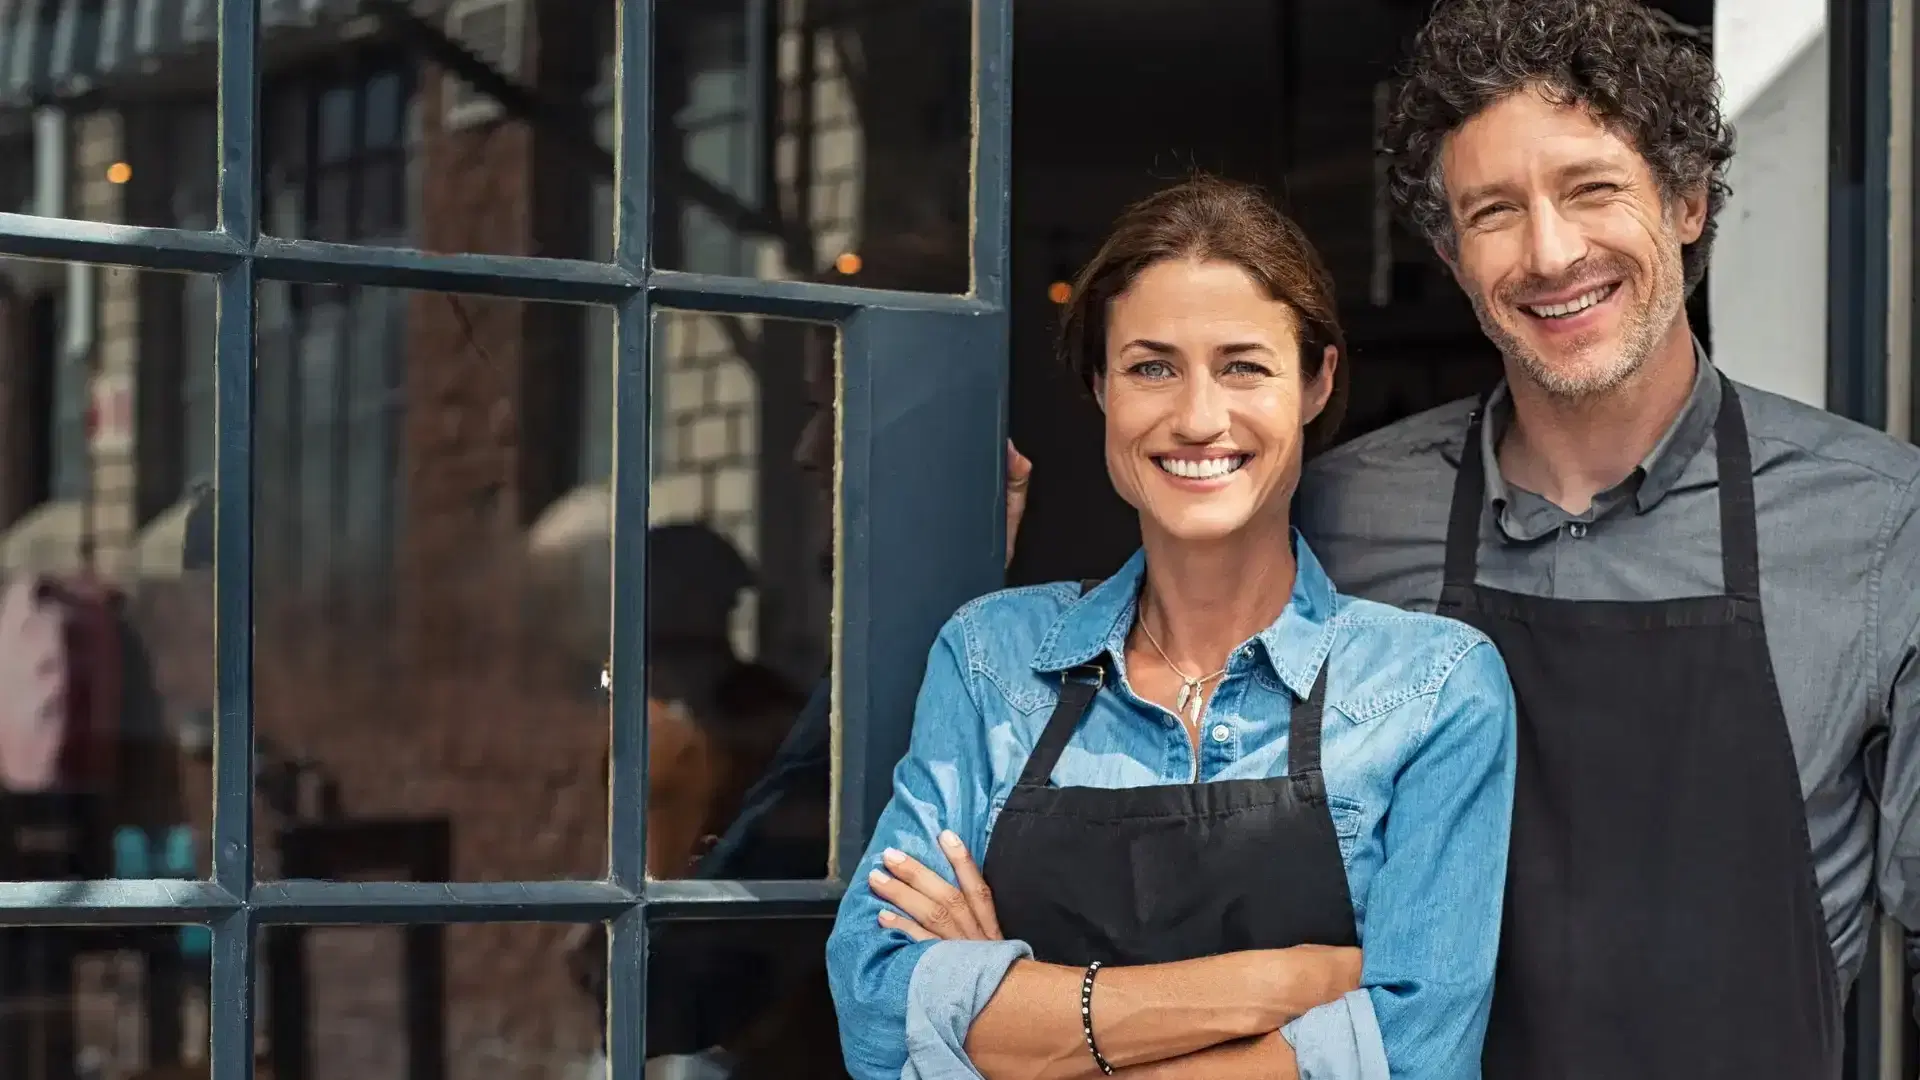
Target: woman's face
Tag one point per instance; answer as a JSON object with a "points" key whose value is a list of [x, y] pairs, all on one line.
{"points": [[1205, 399]]}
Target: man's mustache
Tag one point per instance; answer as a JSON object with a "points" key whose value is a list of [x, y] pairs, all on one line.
{"points": [[1582, 277]]}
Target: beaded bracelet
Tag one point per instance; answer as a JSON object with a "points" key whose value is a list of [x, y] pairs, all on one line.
{"points": [[1086, 1016]]}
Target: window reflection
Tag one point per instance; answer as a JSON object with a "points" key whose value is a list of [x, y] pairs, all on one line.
{"points": [[815, 140], [127, 1003]]}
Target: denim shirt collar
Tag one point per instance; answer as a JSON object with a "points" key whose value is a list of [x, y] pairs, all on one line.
{"points": [[1294, 646]]}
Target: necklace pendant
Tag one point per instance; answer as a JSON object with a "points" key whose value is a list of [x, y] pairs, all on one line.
{"points": [[1180, 700]]}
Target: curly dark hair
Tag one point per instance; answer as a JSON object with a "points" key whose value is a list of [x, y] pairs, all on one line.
{"points": [[1641, 78]]}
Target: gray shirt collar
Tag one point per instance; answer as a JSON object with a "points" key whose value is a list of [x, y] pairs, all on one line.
{"points": [[1525, 516]]}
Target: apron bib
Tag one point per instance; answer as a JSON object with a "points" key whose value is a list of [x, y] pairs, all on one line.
{"points": [[1662, 920]]}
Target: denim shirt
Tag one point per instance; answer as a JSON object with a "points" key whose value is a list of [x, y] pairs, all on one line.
{"points": [[1418, 752]]}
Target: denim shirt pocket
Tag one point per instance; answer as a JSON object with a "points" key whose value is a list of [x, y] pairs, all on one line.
{"points": [[1346, 814]]}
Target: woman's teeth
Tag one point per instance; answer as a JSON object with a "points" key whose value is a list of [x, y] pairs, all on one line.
{"points": [[1572, 307], [1203, 468]]}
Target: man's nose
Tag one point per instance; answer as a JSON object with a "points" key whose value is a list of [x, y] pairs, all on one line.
{"points": [[1554, 244]]}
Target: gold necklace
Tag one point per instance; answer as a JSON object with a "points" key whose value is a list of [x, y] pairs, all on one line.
{"points": [[1191, 698]]}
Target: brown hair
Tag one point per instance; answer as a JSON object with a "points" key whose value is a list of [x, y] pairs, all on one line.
{"points": [[1207, 217]]}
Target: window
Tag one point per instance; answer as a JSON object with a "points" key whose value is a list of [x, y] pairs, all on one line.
{"points": [[335, 152], [304, 320]]}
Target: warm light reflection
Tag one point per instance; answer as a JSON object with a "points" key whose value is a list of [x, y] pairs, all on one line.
{"points": [[119, 172], [1059, 292], [848, 263]]}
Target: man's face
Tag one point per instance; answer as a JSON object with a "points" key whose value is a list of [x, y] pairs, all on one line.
{"points": [[1567, 247]]}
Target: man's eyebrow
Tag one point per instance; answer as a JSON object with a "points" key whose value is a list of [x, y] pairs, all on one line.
{"points": [[1577, 170], [1479, 194], [1589, 167]]}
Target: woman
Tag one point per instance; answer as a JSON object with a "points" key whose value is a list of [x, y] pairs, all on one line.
{"points": [[1199, 784]]}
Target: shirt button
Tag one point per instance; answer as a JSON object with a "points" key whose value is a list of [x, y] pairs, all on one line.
{"points": [[1577, 530], [1221, 733]]}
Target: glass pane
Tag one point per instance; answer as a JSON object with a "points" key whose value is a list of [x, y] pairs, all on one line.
{"points": [[431, 576], [106, 1002], [376, 143], [739, 636], [508, 1001], [129, 134], [815, 140], [106, 632], [741, 999]]}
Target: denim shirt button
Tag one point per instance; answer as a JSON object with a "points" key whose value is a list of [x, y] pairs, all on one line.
{"points": [[1221, 733]]}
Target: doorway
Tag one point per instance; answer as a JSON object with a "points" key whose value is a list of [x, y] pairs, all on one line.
{"points": [[1116, 98]]}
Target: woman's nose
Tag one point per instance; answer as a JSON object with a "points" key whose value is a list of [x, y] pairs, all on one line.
{"points": [[1202, 412]]}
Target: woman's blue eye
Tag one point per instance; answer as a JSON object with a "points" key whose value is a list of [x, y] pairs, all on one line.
{"points": [[1153, 369]]}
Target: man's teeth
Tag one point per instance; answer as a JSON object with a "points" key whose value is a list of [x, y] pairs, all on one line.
{"points": [[1203, 469], [1577, 304]]}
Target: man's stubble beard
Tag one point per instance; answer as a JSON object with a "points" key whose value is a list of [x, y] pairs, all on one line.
{"points": [[1640, 332]]}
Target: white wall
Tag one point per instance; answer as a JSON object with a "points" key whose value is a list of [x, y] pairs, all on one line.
{"points": [[1767, 294]]}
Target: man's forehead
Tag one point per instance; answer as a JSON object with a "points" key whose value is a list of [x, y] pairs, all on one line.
{"points": [[1527, 136]]}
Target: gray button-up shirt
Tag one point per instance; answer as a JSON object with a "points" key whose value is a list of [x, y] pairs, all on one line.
{"points": [[1840, 587]]}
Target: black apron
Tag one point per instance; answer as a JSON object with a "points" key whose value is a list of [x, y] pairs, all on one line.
{"points": [[1173, 871], [1662, 920]]}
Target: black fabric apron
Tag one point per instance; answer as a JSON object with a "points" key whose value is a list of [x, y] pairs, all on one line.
{"points": [[1661, 919], [1173, 871]]}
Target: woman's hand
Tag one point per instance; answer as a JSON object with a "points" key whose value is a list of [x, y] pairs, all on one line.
{"points": [[1019, 475], [934, 908]]}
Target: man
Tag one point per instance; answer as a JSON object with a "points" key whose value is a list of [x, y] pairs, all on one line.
{"points": [[1708, 596]]}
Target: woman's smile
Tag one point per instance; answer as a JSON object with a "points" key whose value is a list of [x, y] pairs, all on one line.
{"points": [[1207, 471]]}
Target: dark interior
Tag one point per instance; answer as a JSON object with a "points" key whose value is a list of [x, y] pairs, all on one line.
{"points": [[1114, 98]]}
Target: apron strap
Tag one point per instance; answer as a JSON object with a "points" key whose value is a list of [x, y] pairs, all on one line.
{"points": [[1469, 502], [1739, 532], [1078, 686], [1303, 739]]}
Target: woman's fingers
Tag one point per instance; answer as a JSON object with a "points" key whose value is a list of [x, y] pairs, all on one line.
{"points": [[926, 897], [973, 885], [905, 925]]}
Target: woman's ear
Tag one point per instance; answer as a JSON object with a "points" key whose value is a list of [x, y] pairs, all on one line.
{"points": [[1100, 391], [1320, 390]]}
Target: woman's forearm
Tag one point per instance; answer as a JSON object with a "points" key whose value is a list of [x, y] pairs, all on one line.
{"points": [[1031, 1029], [1269, 1057]]}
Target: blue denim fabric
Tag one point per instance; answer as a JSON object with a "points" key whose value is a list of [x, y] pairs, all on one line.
{"points": [[1418, 750]]}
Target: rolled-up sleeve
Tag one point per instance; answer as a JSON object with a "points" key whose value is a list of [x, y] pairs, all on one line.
{"points": [[1340, 1041], [1433, 909], [905, 1007]]}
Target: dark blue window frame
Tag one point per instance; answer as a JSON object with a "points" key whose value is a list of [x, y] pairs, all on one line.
{"points": [[923, 394]]}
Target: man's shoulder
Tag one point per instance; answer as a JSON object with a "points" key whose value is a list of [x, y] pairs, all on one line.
{"points": [[1430, 440], [1784, 431], [1390, 479]]}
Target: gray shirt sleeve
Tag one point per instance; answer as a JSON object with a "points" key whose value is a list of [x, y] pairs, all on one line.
{"points": [[1897, 629]]}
